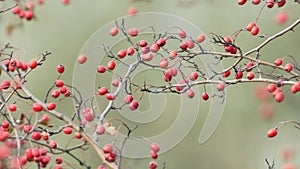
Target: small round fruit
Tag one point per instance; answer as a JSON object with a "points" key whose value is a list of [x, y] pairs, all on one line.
{"points": [[272, 133], [82, 59]]}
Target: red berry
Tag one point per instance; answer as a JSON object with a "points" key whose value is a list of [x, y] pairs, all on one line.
{"points": [[205, 96], [238, 75], [142, 43], [36, 135], [220, 87], [68, 130], [154, 155], [130, 51], [12, 107], [163, 63], [37, 107], [28, 15], [32, 63], [272, 133], [55, 93], [183, 46], [110, 96], [116, 82], [58, 160], [132, 11], [281, 3], [60, 68], [82, 59], [5, 84], [122, 53], [226, 74], [255, 30], [107, 148], [200, 38], [242, 2], [63, 89], [133, 105], [154, 48], [100, 130], [154, 147], [271, 88], [190, 93], [270, 3], [182, 34], [279, 97], [128, 99], [111, 65], [281, 17], [102, 91], [278, 62], [65, 1], [152, 165], [101, 69], [59, 83], [173, 54], [255, 2], [53, 144], [133, 32], [88, 116], [288, 67], [114, 31], [194, 76], [161, 42], [250, 75]]}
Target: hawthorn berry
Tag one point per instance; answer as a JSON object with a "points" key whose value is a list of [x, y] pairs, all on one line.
{"points": [[278, 62], [134, 105], [32, 64], [152, 165], [28, 14], [271, 88], [128, 99], [114, 31], [279, 97], [58, 160], [194, 76], [226, 74], [270, 3], [37, 107], [200, 38], [238, 75], [55, 93], [190, 93], [255, 30], [272, 133], [133, 32], [154, 155], [68, 130], [122, 53], [36, 135], [110, 96], [220, 86], [205, 96], [154, 48], [111, 65], [130, 51], [101, 69], [132, 11], [63, 89], [82, 59], [5, 84], [281, 3], [161, 42], [16, 10], [100, 130], [107, 148], [5, 124], [53, 144], [173, 54], [242, 2], [163, 63], [182, 34], [250, 75], [281, 17], [288, 67], [66, 2], [154, 147], [60, 68], [102, 91], [255, 2], [12, 107]]}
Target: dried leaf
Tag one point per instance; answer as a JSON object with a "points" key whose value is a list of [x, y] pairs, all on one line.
{"points": [[109, 128]]}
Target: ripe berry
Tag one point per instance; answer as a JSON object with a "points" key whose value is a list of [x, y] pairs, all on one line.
{"points": [[111, 65], [60, 68], [272, 133], [152, 165], [128, 99], [110, 96], [130, 51], [279, 97], [32, 64], [271, 88], [101, 69], [226, 74], [154, 48], [100, 130], [142, 43], [114, 31], [163, 63], [58, 160], [173, 54], [12, 107], [36, 135], [278, 62], [116, 82], [288, 67], [134, 105], [53, 144], [133, 32], [154, 155], [200, 38], [16, 10], [281, 3], [161, 42], [220, 87], [122, 53], [183, 46], [82, 59], [255, 30], [255, 2], [132, 11], [55, 93], [37, 107], [205, 96], [63, 89], [102, 91], [88, 116], [190, 93], [28, 15], [5, 124], [242, 2], [182, 34], [68, 130], [281, 17], [270, 3], [194, 76], [250, 26], [250, 75], [51, 106], [238, 75], [154, 147], [5, 84], [59, 83], [65, 1], [107, 148]]}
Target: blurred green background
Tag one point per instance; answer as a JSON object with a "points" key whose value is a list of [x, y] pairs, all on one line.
{"points": [[240, 140]]}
